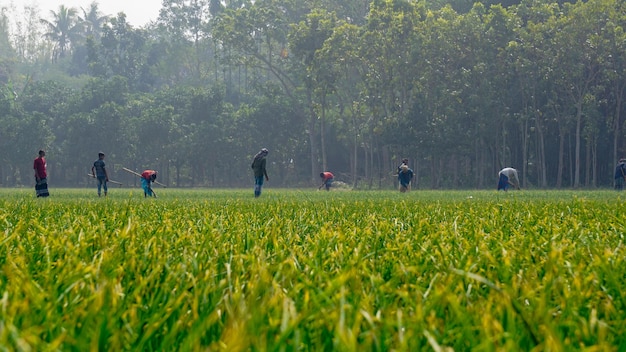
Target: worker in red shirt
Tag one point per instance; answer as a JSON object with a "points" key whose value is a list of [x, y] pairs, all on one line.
{"points": [[147, 177], [327, 180], [41, 177]]}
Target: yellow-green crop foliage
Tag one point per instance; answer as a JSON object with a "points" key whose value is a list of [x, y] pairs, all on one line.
{"points": [[301, 270]]}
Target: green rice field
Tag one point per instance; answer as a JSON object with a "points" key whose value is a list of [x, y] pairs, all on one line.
{"points": [[300, 270]]}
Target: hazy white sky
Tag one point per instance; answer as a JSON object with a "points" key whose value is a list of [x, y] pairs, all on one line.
{"points": [[138, 12]]}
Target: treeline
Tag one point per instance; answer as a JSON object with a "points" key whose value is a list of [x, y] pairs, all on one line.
{"points": [[349, 86]]}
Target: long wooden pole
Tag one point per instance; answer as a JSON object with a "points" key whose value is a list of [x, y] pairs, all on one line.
{"points": [[115, 182], [138, 174], [131, 171]]}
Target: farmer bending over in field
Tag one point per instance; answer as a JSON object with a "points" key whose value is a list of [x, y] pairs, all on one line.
{"points": [[258, 167], [508, 177], [327, 180], [147, 177]]}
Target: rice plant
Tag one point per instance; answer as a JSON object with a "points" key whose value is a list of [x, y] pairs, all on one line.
{"points": [[304, 270]]}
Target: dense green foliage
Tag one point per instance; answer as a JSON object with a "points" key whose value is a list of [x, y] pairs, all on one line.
{"points": [[312, 270], [463, 89]]}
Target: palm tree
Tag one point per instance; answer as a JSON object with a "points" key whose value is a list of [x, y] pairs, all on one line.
{"points": [[64, 29], [93, 20]]}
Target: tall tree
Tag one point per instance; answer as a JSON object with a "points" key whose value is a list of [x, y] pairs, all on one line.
{"points": [[436, 114], [577, 66], [342, 52], [93, 20], [306, 41], [122, 51], [8, 58], [531, 56], [389, 43], [26, 35], [256, 36], [612, 40], [63, 29], [184, 28]]}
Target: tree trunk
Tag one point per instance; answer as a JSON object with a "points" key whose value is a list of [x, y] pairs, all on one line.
{"points": [[525, 138], [588, 163], [475, 172], [617, 125], [312, 140], [383, 166], [594, 163], [579, 117], [559, 175], [570, 162], [178, 175], [355, 154], [455, 172], [323, 133], [366, 159], [433, 172], [370, 165], [416, 172], [541, 153]]}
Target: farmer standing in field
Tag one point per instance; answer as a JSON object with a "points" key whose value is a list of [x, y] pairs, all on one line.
{"points": [[147, 177], [258, 166], [508, 177], [41, 176], [405, 175], [327, 180], [620, 174], [99, 171]]}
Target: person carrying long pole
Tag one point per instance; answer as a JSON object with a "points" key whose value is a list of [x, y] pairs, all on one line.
{"points": [[147, 177], [99, 171]]}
